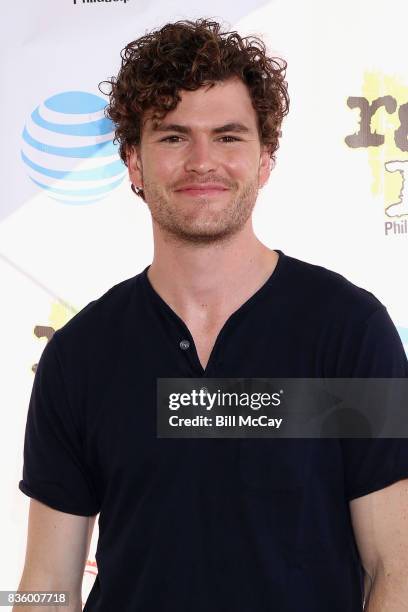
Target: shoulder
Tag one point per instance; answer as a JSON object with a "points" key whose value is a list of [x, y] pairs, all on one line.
{"points": [[98, 323], [350, 325], [328, 291]]}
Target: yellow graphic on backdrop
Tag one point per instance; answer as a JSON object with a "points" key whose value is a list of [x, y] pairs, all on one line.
{"points": [[60, 314], [388, 162], [383, 131]]}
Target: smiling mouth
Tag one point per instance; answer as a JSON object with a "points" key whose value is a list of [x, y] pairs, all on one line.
{"points": [[202, 191]]}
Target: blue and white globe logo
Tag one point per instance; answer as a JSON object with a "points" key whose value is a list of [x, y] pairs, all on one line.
{"points": [[68, 148]]}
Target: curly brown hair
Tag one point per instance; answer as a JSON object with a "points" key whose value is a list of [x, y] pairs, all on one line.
{"points": [[187, 55]]}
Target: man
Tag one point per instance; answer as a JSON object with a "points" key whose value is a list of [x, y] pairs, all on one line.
{"points": [[225, 525]]}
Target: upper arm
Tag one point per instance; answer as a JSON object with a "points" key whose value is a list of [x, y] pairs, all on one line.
{"points": [[57, 548], [57, 467], [380, 524]]}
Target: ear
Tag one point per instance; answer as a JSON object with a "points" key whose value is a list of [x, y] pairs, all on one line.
{"points": [[265, 166], [134, 164]]}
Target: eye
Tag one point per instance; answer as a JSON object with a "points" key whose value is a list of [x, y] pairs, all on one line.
{"points": [[168, 139], [178, 138], [232, 138]]}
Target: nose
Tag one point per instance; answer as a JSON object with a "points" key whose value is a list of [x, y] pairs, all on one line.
{"points": [[201, 156]]}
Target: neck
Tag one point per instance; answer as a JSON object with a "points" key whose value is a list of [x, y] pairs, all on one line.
{"points": [[209, 280]]}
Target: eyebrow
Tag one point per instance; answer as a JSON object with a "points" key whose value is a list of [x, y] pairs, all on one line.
{"points": [[233, 126]]}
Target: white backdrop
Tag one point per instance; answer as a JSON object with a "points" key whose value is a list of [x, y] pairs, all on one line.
{"points": [[326, 202]]}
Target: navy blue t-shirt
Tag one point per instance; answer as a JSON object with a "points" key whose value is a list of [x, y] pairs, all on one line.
{"points": [[227, 525]]}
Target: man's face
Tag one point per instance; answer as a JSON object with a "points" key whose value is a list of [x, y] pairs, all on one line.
{"points": [[202, 166]]}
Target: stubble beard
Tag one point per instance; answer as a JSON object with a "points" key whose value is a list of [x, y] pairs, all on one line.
{"points": [[204, 226]]}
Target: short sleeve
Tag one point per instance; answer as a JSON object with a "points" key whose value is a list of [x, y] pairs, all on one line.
{"points": [[54, 470], [372, 464]]}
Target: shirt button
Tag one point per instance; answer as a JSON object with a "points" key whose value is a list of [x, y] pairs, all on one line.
{"points": [[184, 344]]}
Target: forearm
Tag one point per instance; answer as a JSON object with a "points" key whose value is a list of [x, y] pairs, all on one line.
{"points": [[389, 592], [71, 608], [30, 582], [74, 606]]}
